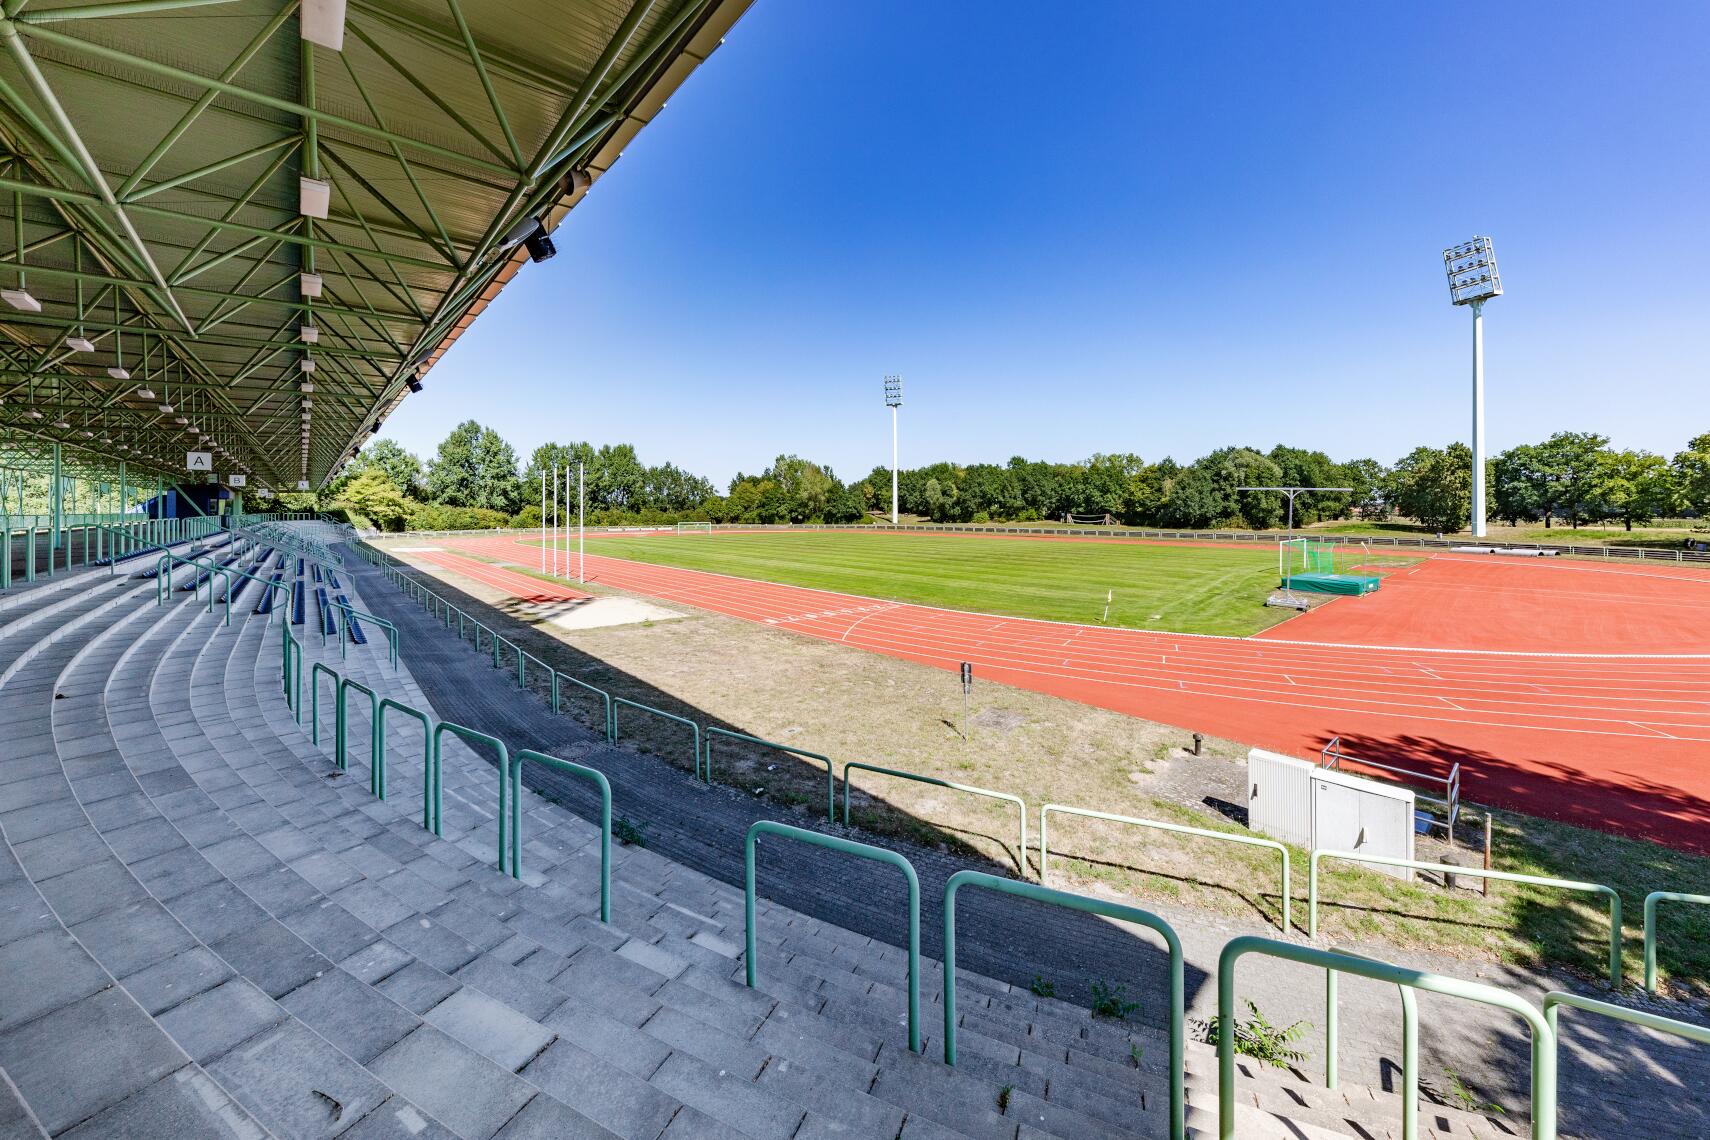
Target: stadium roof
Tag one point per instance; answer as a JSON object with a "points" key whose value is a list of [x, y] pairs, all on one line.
{"points": [[174, 175]]}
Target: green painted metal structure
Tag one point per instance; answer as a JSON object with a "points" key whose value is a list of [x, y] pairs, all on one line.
{"points": [[1651, 936]]}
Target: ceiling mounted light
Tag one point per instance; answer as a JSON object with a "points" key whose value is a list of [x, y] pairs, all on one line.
{"points": [[415, 385], [61, 425], [314, 195], [307, 404], [166, 409], [307, 364], [180, 420], [86, 434], [193, 430], [309, 334], [145, 393], [119, 372], [21, 300], [322, 22], [33, 414], [79, 344], [305, 387], [309, 284]]}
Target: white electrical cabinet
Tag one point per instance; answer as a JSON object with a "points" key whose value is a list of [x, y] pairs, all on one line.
{"points": [[1298, 802]]}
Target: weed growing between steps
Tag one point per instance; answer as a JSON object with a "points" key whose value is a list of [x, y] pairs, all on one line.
{"points": [[1257, 1038]]}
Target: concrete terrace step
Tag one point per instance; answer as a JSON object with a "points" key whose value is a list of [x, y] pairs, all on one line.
{"points": [[317, 964]]}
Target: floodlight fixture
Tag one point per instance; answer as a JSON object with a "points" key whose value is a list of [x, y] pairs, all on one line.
{"points": [[79, 344], [21, 300], [893, 391], [540, 247], [375, 430], [1473, 280], [314, 196], [322, 22], [1471, 267], [414, 384], [309, 284]]}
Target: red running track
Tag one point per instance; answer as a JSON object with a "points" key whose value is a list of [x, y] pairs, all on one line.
{"points": [[1617, 743], [517, 585]]}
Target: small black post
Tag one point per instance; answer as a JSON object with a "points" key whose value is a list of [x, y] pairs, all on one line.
{"points": [[1198, 739]]}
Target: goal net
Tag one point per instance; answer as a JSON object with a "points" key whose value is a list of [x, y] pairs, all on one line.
{"points": [[694, 528], [1088, 520]]}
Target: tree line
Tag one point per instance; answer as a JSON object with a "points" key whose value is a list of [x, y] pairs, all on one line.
{"points": [[474, 481]]}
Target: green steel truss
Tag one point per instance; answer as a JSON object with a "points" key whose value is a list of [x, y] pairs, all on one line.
{"points": [[151, 153]]}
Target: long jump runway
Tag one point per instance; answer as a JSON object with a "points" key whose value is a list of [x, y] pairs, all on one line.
{"points": [[1619, 742]]}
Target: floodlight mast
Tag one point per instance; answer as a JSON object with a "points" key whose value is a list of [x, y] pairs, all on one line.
{"points": [[1473, 280], [893, 401]]}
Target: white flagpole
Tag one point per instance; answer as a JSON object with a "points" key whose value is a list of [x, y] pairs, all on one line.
{"points": [[581, 521], [543, 520], [555, 520]]}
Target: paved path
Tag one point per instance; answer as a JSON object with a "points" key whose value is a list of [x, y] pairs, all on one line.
{"points": [[1014, 941]]}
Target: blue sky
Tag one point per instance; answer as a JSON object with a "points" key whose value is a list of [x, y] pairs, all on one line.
{"points": [[1124, 227]]}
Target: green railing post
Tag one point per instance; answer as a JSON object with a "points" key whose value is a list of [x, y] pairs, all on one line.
{"points": [[316, 668], [1557, 998], [507, 803], [1651, 901], [1020, 805], [430, 774], [1037, 893], [830, 777], [1609, 893], [1543, 1038], [693, 727], [1175, 828], [608, 727], [845, 847], [599, 781], [376, 765]]}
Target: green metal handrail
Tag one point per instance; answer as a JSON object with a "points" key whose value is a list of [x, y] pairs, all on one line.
{"points": [[1651, 901], [507, 803], [1543, 1039], [430, 771], [695, 728], [830, 777], [599, 780], [1037, 893], [291, 652], [316, 668], [349, 613], [1174, 828], [1020, 805], [376, 785], [595, 689], [1558, 998], [845, 847], [1476, 873]]}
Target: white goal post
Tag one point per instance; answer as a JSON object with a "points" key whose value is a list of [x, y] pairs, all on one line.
{"points": [[694, 528]]}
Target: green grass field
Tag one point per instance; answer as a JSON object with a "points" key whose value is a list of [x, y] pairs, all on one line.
{"points": [[1182, 589]]}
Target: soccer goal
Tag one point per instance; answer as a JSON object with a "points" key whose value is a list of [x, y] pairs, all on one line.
{"points": [[1088, 520], [694, 528]]}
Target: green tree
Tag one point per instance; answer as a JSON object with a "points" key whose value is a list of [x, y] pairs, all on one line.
{"points": [[374, 496], [1692, 475], [1636, 487], [475, 467], [1522, 485], [1434, 485], [1575, 461]]}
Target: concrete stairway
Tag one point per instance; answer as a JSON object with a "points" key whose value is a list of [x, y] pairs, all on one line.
{"points": [[220, 933]]}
